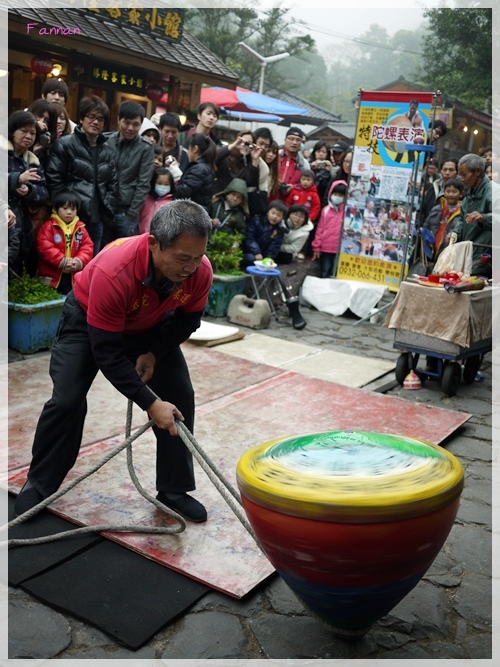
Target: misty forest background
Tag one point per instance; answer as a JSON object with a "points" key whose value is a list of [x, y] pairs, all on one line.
{"points": [[450, 51]]}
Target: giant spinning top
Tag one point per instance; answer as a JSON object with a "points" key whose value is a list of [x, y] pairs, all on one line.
{"points": [[350, 520]]}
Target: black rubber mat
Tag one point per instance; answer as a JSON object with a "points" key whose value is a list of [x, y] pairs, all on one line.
{"points": [[124, 594], [28, 561]]}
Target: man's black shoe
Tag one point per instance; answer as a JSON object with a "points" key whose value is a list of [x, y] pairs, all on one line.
{"points": [[28, 498], [187, 506]]}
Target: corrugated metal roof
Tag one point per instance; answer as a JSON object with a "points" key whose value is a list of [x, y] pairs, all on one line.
{"points": [[189, 52], [347, 130], [315, 111]]}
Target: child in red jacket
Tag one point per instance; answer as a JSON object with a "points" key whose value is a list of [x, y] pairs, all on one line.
{"points": [[305, 193], [63, 244]]}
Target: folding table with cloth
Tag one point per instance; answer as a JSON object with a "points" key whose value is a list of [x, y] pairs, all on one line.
{"points": [[454, 331]]}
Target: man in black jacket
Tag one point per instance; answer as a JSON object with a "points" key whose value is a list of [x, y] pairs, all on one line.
{"points": [[84, 163], [134, 156]]}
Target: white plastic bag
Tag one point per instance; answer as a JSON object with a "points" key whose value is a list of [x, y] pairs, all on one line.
{"points": [[455, 257]]}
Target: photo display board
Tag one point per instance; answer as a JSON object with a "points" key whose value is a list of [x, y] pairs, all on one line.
{"points": [[377, 213]]}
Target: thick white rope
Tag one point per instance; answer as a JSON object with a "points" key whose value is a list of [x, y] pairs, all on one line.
{"points": [[215, 476]]}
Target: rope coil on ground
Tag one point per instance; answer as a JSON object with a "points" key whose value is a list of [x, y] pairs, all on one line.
{"points": [[215, 476]]}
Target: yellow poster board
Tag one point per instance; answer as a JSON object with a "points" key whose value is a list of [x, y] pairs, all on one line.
{"points": [[377, 217]]}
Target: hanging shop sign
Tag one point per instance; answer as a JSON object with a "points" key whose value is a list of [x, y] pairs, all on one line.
{"points": [[378, 219], [162, 21], [155, 91], [106, 74], [41, 65]]}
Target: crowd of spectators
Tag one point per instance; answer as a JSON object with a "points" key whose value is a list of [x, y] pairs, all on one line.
{"points": [[74, 187]]}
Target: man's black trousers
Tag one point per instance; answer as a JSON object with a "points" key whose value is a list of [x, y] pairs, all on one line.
{"points": [[60, 427]]}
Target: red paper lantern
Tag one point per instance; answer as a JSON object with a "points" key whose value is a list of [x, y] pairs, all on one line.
{"points": [[41, 65], [154, 92]]}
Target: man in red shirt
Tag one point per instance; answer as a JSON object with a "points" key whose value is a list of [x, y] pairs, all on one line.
{"points": [[291, 163], [130, 309]]}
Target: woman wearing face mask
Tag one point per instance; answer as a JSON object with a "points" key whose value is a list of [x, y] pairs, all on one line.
{"points": [[326, 241], [342, 174], [161, 192]]}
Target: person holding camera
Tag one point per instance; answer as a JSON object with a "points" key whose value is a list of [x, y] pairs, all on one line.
{"points": [[26, 184], [321, 162], [170, 127], [238, 160], [46, 122], [291, 163]]}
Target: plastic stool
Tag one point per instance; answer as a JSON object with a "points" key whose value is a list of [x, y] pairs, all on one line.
{"points": [[263, 283]]}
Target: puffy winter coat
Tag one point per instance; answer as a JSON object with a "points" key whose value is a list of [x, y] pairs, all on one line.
{"points": [[263, 238], [308, 198], [295, 238], [329, 228], [196, 183], [51, 247], [75, 166], [36, 196]]}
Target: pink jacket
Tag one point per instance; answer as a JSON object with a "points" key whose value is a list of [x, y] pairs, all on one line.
{"points": [[329, 228], [151, 205]]}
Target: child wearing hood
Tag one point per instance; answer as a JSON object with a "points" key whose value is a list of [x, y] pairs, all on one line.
{"points": [[160, 193], [298, 229], [149, 131], [326, 241], [229, 208]]}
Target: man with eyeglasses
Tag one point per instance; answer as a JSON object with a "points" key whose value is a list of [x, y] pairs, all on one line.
{"points": [[291, 162], [134, 163], [84, 163]]}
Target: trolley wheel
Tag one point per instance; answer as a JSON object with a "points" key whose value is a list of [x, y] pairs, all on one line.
{"points": [[403, 367], [451, 378], [471, 367]]}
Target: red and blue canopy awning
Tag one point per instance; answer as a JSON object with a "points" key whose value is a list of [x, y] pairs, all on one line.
{"points": [[247, 101]]}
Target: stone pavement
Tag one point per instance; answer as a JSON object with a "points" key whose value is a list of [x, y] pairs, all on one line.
{"points": [[448, 615]]}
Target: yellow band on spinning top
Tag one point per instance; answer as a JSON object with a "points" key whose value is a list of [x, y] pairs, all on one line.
{"points": [[350, 475]]}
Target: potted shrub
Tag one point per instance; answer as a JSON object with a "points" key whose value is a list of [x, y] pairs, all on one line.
{"points": [[225, 254], [34, 312]]}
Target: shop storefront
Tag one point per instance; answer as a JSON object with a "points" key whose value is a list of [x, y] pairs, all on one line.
{"points": [[118, 54]]}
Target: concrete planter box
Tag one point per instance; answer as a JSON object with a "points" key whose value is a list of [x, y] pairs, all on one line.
{"points": [[32, 327], [222, 291]]}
